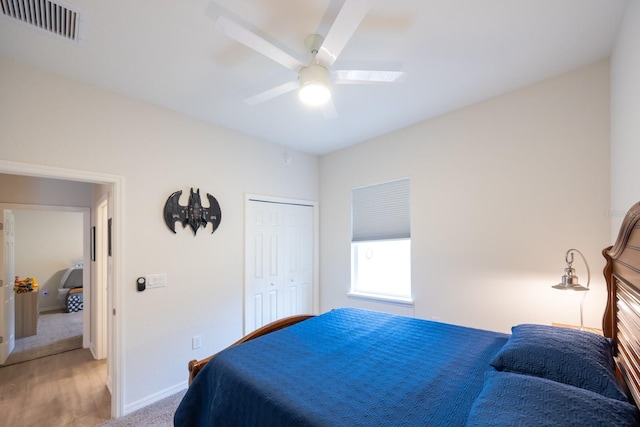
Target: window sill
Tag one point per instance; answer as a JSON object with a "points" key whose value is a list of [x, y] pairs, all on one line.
{"points": [[404, 302]]}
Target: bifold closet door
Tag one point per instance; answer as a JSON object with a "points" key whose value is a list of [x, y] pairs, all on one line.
{"points": [[278, 262]]}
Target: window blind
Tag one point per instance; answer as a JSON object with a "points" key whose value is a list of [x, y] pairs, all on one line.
{"points": [[381, 211]]}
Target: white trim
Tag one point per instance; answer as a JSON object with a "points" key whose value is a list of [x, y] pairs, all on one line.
{"points": [[119, 256], [100, 273], [404, 302], [43, 171], [118, 232], [155, 397], [86, 277]]}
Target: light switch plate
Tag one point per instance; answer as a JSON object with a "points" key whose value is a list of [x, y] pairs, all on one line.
{"points": [[196, 342], [156, 280]]}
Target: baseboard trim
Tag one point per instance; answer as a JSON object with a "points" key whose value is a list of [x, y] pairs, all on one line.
{"points": [[156, 397]]}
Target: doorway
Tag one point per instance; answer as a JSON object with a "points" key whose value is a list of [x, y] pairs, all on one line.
{"points": [[49, 255], [115, 188]]}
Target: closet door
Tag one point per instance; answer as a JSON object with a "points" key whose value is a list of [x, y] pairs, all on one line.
{"points": [[263, 264], [278, 262], [298, 260]]}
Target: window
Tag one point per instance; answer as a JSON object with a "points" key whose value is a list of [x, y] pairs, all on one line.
{"points": [[381, 241]]}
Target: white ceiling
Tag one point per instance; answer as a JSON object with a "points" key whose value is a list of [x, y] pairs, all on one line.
{"points": [[455, 53]]}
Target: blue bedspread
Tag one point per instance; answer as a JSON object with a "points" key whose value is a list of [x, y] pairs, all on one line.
{"points": [[347, 367]]}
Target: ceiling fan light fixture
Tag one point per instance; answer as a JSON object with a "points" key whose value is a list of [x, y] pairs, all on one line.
{"points": [[314, 85]]}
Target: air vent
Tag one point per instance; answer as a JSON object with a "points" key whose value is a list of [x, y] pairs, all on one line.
{"points": [[44, 15]]}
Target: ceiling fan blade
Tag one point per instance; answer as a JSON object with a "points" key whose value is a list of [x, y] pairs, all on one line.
{"points": [[366, 76], [250, 39], [346, 23], [329, 110], [272, 93]]}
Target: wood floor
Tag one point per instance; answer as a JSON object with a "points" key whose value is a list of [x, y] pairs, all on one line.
{"points": [[67, 389]]}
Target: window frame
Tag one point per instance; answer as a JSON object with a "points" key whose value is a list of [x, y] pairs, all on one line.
{"points": [[384, 200]]}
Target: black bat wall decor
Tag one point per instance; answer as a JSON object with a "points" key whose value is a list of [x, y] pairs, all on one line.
{"points": [[193, 214]]}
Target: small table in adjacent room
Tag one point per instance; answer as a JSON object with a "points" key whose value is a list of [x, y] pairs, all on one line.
{"points": [[26, 313]]}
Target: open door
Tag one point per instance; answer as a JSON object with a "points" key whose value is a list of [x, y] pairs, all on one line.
{"points": [[7, 307], [100, 293]]}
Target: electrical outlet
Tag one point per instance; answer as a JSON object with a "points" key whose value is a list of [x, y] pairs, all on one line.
{"points": [[156, 280], [196, 342]]}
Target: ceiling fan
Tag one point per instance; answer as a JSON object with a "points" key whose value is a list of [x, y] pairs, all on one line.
{"points": [[315, 78]]}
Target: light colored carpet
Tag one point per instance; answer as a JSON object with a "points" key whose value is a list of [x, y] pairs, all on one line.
{"points": [[160, 414], [57, 332]]}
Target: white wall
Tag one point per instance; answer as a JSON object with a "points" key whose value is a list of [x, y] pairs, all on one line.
{"points": [[625, 117], [54, 121], [40, 191], [47, 243], [500, 191]]}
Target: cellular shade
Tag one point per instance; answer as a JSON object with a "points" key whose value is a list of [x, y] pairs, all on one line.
{"points": [[381, 211]]}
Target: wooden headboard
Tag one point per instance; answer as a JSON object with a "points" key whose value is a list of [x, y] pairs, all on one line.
{"points": [[196, 366], [621, 320]]}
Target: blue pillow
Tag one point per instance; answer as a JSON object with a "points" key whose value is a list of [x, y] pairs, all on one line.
{"points": [[509, 399], [569, 356]]}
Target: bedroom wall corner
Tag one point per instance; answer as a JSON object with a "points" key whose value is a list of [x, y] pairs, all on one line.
{"points": [[500, 191], [625, 110]]}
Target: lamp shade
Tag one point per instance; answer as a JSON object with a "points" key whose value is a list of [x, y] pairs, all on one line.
{"points": [[570, 281], [314, 85]]}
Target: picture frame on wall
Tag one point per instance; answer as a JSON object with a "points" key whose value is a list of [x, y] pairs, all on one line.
{"points": [[92, 244]]}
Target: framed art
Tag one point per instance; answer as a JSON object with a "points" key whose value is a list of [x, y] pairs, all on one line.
{"points": [[92, 244], [109, 237]]}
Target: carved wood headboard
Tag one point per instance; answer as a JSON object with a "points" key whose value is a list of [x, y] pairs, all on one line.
{"points": [[621, 320]]}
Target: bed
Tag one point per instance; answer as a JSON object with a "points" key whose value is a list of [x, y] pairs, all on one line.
{"points": [[353, 367]]}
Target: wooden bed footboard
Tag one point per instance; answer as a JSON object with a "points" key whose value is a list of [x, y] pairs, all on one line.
{"points": [[196, 365]]}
